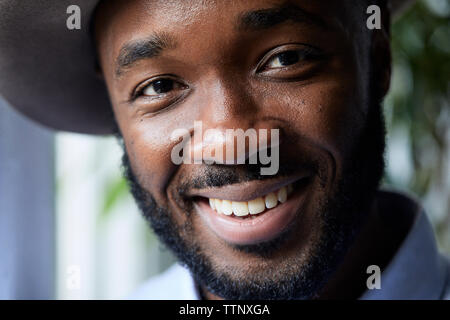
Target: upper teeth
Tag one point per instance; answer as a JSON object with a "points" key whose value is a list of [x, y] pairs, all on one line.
{"points": [[255, 206]]}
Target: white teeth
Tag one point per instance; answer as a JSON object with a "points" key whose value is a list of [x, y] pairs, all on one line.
{"points": [[271, 200], [227, 208], [218, 204], [282, 195], [212, 204], [240, 209], [255, 206]]}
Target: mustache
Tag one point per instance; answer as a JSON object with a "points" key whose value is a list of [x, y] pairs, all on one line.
{"points": [[219, 175], [222, 175]]}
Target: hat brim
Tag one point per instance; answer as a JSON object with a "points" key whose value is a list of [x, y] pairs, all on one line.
{"points": [[47, 72]]}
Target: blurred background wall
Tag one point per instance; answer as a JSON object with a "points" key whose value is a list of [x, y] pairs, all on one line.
{"points": [[103, 249], [27, 224]]}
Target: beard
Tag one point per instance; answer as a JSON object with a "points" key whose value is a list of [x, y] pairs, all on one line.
{"points": [[341, 213]]}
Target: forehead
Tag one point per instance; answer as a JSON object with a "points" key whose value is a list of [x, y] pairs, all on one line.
{"points": [[121, 22], [184, 12]]}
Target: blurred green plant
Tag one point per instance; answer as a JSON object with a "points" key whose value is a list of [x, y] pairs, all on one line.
{"points": [[115, 191], [418, 105]]}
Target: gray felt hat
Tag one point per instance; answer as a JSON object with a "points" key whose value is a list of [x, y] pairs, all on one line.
{"points": [[47, 72]]}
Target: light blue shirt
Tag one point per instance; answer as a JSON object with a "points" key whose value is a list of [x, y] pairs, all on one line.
{"points": [[417, 271]]}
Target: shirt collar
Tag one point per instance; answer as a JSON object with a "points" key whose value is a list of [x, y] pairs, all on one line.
{"points": [[417, 271]]}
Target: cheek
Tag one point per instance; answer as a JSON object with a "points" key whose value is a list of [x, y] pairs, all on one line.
{"points": [[149, 148], [327, 113], [334, 116]]}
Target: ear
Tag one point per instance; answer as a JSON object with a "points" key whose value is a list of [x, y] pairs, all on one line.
{"points": [[381, 55]]}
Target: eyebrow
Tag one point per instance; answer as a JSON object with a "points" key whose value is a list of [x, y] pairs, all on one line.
{"points": [[137, 50], [267, 18], [134, 51]]}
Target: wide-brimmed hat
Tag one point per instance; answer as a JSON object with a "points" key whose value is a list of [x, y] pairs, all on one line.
{"points": [[47, 72]]}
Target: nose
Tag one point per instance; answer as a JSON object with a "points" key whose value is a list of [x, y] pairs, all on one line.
{"points": [[232, 128]]}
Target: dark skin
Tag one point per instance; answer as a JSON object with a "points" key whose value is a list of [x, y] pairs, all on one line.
{"points": [[216, 69]]}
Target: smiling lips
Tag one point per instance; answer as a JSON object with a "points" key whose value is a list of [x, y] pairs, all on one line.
{"points": [[252, 207], [260, 219]]}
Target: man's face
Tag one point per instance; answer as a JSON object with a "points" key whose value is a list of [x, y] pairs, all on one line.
{"points": [[295, 66]]}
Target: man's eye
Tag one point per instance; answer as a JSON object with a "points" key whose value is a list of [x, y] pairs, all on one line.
{"points": [[160, 86], [158, 93], [289, 58], [284, 59]]}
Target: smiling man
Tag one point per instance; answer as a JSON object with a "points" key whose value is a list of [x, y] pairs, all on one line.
{"points": [[308, 72]]}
